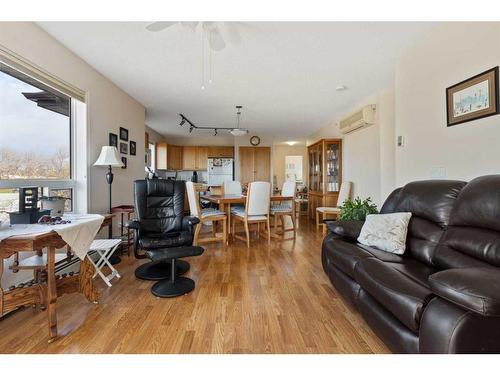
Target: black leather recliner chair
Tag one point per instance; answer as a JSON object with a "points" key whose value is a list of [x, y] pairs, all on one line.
{"points": [[443, 294], [163, 234]]}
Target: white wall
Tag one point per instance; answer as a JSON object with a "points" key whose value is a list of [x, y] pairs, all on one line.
{"points": [[448, 55], [108, 107], [368, 154]]}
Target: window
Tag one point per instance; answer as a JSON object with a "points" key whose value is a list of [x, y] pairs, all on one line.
{"points": [[35, 138]]}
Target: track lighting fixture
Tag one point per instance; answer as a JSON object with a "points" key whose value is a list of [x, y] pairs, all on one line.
{"points": [[237, 131]]}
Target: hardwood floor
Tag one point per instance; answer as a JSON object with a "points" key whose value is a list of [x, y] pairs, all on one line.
{"points": [[266, 299]]}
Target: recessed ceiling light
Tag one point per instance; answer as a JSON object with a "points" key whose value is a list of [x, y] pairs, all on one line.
{"points": [[340, 88], [291, 143]]}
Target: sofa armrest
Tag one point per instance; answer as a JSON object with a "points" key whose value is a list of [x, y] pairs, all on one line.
{"points": [[475, 289], [347, 229], [188, 222]]}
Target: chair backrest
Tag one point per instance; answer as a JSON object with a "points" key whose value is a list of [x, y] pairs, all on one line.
{"points": [[232, 188], [288, 190], [258, 198], [344, 193], [194, 202], [159, 205]]}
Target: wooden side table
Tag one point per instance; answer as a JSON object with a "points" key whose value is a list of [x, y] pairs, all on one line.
{"points": [[126, 212]]}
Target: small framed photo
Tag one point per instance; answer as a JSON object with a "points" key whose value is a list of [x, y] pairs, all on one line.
{"points": [[474, 98], [113, 140], [123, 148], [124, 161], [123, 134], [133, 147]]}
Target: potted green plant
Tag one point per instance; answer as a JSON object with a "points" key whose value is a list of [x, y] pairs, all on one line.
{"points": [[357, 209]]}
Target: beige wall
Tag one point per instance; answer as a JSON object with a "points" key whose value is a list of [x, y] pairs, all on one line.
{"points": [[108, 107], [448, 55], [154, 136], [278, 160]]}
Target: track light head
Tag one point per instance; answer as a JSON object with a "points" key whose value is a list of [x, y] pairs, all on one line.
{"points": [[191, 129], [183, 121], [215, 132]]}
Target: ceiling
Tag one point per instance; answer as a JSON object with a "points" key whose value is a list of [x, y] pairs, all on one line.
{"points": [[284, 74]]}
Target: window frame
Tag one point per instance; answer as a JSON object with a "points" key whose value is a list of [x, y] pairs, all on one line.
{"points": [[50, 184]]}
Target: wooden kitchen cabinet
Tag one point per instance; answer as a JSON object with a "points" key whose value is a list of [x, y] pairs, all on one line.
{"points": [[194, 158], [255, 164], [168, 157], [220, 152], [202, 158], [189, 158]]}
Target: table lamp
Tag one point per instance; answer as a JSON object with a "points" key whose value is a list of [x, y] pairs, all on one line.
{"points": [[110, 158]]}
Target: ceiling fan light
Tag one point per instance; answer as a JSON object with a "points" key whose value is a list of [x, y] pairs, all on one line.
{"points": [[238, 132]]}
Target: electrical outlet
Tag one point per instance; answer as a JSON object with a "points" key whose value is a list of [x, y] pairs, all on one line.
{"points": [[401, 141]]}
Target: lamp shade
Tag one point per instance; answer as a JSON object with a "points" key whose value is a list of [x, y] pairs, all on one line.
{"points": [[109, 157]]}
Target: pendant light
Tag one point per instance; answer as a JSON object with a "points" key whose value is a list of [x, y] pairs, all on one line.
{"points": [[238, 131]]}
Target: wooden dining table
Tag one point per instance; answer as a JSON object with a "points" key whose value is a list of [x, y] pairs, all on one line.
{"points": [[226, 200], [46, 294]]}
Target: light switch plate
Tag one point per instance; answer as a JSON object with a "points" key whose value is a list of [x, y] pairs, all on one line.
{"points": [[438, 172]]}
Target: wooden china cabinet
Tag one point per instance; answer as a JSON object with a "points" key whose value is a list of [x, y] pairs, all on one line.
{"points": [[325, 173]]}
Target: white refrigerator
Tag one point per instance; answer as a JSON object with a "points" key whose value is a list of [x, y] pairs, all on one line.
{"points": [[219, 170]]}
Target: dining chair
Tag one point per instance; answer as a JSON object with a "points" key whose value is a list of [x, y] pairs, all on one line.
{"points": [[285, 208], [205, 215], [256, 210], [232, 188], [344, 194]]}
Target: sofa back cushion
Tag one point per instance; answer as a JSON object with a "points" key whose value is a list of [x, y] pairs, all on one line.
{"points": [[473, 236], [430, 203]]}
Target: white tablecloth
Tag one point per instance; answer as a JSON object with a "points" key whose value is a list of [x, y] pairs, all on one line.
{"points": [[78, 234]]}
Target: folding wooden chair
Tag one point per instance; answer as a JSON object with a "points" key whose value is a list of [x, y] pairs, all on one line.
{"points": [[105, 249]]}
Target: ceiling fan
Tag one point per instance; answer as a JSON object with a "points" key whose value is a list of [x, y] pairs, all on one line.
{"points": [[210, 29]]}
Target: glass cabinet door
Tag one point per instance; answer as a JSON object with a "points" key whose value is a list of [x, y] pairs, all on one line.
{"points": [[332, 167]]}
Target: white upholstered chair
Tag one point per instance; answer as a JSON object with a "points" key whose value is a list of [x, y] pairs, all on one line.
{"points": [[285, 208], [344, 193], [232, 188], [256, 210], [205, 215]]}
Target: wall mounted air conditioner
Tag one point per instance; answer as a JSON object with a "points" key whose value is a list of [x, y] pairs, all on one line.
{"points": [[359, 119]]}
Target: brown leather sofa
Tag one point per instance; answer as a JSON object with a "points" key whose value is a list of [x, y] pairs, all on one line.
{"points": [[443, 294]]}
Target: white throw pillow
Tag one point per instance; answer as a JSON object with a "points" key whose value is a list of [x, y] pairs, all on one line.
{"points": [[386, 231]]}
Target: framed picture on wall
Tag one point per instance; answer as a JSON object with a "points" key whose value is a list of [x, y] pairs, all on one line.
{"points": [[474, 98], [123, 148], [132, 148], [123, 134], [124, 161], [113, 140]]}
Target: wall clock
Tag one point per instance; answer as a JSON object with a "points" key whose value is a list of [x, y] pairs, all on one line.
{"points": [[255, 141]]}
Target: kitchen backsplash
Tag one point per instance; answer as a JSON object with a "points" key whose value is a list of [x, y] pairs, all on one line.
{"points": [[184, 175]]}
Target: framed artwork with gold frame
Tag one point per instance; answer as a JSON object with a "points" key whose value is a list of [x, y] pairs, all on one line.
{"points": [[474, 98]]}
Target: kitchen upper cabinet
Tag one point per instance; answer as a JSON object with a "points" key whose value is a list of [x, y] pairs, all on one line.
{"points": [[161, 155], [168, 157], [220, 152], [255, 164], [202, 158], [189, 158]]}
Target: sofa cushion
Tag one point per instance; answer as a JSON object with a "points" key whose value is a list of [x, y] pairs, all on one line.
{"points": [[346, 229], [430, 203], [475, 289], [415, 270], [399, 294], [344, 255]]}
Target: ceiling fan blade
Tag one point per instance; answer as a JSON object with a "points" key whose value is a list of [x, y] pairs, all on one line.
{"points": [[159, 26], [215, 40]]}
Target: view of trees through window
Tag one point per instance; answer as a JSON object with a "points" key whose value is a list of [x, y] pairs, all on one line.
{"points": [[34, 129]]}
